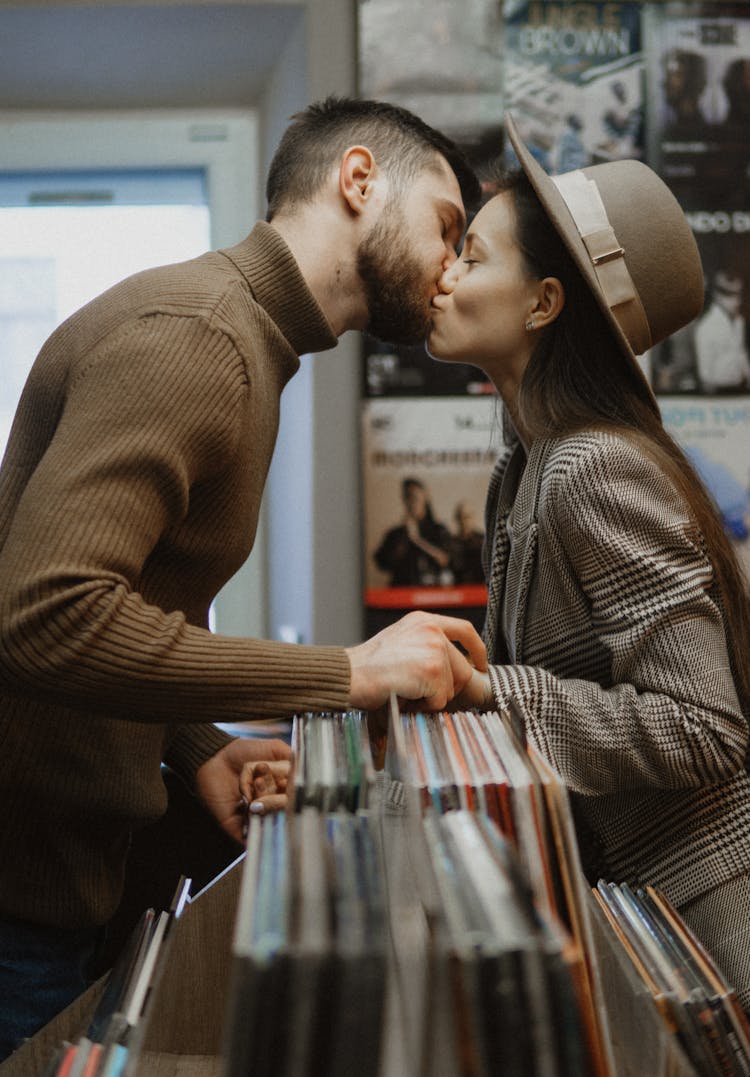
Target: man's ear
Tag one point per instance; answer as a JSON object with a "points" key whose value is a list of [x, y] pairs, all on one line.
{"points": [[357, 172], [549, 302]]}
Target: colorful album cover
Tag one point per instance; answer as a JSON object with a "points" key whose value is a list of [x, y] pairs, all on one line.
{"points": [[698, 79], [574, 80], [427, 464]]}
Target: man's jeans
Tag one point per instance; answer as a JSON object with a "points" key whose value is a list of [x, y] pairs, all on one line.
{"points": [[42, 970]]}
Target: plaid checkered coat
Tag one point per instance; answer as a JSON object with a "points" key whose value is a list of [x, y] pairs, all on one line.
{"points": [[606, 627]]}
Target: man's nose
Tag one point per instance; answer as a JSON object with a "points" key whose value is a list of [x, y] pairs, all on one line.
{"points": [[448, 278], [451, 256]]}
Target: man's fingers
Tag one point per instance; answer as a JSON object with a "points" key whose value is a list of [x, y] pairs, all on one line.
{"points": [[458, 672], [461, 671], [463, 632], [416, 658]]}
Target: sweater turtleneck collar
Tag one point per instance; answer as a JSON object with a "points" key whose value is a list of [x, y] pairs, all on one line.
{"points": [[277, 283]]}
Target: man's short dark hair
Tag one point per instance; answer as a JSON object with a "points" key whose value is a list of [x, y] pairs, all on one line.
{"points": [[318, 136]]}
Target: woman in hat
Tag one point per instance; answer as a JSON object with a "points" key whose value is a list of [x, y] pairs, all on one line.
{"points": [[617, 614]]}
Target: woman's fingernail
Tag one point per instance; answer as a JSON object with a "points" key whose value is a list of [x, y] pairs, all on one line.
{"points": [[257, 807]]}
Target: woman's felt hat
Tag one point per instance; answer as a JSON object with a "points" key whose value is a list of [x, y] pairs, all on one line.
{"points": [[631, 241]]}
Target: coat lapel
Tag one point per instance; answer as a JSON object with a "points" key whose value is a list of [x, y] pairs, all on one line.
{"points": [[514, 552], [504, 496]]}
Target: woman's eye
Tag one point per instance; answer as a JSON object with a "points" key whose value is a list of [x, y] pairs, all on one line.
{"points": [[470, 261]]}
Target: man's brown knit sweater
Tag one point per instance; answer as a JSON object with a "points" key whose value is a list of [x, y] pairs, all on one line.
{"points": [[128, 496]]}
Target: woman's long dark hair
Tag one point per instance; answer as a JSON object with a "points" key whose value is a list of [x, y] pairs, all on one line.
{"points": [[578, 378]]}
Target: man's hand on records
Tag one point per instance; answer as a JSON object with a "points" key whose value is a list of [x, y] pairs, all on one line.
{"points": [[417, 658], [221, 781], [476, 694]]}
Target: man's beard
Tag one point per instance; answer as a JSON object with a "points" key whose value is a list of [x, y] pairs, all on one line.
{"points": [[394, 283]]}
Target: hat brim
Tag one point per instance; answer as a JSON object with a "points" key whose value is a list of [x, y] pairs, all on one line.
{"points": [[565, 226]]}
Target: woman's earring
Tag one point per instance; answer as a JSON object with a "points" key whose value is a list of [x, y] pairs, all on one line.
{"points": [[530, 323]]}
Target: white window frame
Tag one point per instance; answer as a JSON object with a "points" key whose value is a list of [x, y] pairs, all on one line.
{"points": [[223, 143]]}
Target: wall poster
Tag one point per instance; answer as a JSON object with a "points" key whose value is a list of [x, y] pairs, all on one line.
{"points": [[574, 80], [426, 467], [713, 433], [698, 79]]}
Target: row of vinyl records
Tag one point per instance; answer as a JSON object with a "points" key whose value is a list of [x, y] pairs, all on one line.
{"points": [[106, 1047], [415, 920], [427, 917], [697, 1004], [431, 918]]}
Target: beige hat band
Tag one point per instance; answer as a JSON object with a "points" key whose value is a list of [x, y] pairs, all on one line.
{"points": [[584, 203]]}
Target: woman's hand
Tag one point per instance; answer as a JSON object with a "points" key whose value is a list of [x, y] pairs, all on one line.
{"points": [[264, 785], [228, 781]]}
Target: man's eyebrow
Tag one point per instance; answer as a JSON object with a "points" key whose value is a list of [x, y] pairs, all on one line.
{"points": [[455, 210]]}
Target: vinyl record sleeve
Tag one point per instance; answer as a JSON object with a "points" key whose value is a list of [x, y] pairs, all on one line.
{"points": [[108, 1021], [722, 996], [415, 768], [699, 1034], [511, 930], [299, 763], [132, 985], [679, 1018], [575, 916], [703, 1003], [497, 789], [311, 964], [137, 999], [483, 793], [359, 958], [462, 987], [526, 797], [460, 765], [256, 1028], [441, 782]]}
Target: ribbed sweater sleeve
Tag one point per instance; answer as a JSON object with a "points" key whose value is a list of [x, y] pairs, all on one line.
{"points": [[152, 418]]}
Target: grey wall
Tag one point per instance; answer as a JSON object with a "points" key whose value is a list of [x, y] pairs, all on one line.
{"points": [[275, 57]]}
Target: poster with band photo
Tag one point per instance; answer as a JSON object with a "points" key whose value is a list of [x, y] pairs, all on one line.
{"points": [[712, 355], [698, 78], [574, 80], [426, 467]]}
